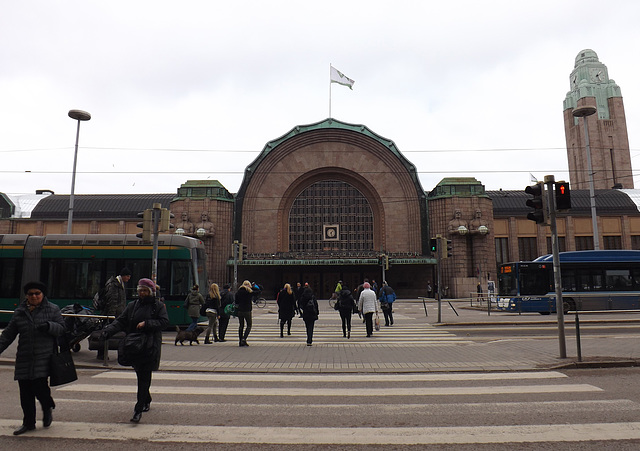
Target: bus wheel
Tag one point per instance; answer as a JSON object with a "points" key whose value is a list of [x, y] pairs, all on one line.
{"points": [[568, 305]]}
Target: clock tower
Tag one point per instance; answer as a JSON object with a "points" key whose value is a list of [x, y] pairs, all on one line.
{"points": [[608, 139]]}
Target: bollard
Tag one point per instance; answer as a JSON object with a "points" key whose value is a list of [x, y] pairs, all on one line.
{"points": [[578, 337]]}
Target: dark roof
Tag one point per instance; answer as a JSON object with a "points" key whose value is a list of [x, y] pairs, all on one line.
{"points": [[98, 206], [608, 202]]}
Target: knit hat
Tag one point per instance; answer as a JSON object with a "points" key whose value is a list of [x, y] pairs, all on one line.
{"points": [[366, 285], [125, 271], [35, 285], [147, 283]]}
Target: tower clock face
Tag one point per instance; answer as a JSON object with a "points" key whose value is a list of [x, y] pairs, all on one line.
{"points": [[596, 75]]}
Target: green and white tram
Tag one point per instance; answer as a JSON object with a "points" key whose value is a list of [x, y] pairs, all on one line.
{"points": [[75, 267]]}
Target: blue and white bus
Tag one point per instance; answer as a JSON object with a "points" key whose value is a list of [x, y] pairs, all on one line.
{"points": [[591, 280]]}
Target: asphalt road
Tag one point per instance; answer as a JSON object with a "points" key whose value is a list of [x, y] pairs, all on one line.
{"points": [[592, 409]]}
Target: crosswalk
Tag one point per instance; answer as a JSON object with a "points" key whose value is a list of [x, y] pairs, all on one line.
{"points": [[328, 332], [341, 409]]}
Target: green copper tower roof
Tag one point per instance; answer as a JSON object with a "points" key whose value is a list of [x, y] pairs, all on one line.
{"points": [[590, 78]]}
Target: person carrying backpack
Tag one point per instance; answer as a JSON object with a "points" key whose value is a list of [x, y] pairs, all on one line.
{"points": [[309, 306], [346, 305], [387, 296]]}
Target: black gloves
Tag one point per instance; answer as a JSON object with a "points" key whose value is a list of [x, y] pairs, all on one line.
{"points": [[43, 327]]}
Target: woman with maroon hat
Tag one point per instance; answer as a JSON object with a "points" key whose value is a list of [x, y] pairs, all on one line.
{"points": [[149, 316]]}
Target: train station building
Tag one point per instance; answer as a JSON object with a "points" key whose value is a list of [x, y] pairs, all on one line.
{"points": [[334, 201]]}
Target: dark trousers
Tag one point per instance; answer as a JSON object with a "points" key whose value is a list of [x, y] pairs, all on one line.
{"points": [[288, 323], [30, 390], [143, 373], [388, 315], [309, 323], [345, 316], [368, 320], [223, 323], [242, 318]]}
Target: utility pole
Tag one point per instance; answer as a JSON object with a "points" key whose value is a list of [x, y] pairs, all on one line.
{"points": [[235, 264], [549, 180]]}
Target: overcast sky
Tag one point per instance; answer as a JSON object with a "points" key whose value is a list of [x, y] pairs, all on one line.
{"points": [[195, 89]]}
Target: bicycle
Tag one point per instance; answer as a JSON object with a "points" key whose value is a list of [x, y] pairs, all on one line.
{"points": [[333, 300], [259, 302]]}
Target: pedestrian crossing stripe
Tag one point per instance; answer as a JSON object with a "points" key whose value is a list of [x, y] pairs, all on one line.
{"points": [[337, 391], [398, 436], [345, 378]]}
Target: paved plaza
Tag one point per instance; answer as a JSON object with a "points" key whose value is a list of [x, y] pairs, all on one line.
{"points": [[415, 343]]}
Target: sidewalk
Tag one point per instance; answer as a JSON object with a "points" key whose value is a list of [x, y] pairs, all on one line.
{"points": [[416, 343]]}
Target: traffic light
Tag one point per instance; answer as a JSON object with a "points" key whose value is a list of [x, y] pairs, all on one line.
{"points": [[563, 196], [242, 251], [145, 225], [434, 245], [447, 248], [537, 203], [165, 220]]}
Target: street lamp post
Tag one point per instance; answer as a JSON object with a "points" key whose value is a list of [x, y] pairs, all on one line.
{"points": [[78, 115], [584, 112]]}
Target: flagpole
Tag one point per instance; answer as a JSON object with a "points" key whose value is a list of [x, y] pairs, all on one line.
{"points": [[329, 90]]}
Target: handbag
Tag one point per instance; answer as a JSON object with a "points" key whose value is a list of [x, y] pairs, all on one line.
{"points": [[377, 324], [62, 370], [134, 348], [231, 309], [203, 310]]}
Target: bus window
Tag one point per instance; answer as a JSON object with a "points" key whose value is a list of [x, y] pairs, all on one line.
{"points": [[618, 279], [534, 281]]}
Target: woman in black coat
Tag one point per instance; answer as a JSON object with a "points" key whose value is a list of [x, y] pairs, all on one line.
{"points": [[286, 308], [309, 306], [39, 323], [346, 306], [245, 305], [149, 316]]}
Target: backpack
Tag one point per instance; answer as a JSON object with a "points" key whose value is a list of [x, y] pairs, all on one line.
{"points": [[99, 300]]}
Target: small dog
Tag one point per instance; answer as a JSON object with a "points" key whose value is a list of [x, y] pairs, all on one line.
{"points": [[191, 335]]}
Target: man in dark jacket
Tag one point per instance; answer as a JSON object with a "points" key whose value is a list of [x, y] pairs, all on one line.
{"points": [[226, 298], [309, 307], [115, 294], [115, 297], [39, 323]]}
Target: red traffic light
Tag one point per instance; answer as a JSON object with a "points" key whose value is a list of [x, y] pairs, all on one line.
{"points": [[563, 196]]}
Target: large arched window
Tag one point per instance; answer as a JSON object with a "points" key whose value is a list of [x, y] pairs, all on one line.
{"points": [[330, 215]]}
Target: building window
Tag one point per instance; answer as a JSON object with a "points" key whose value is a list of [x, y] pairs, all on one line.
{"points": [[527, 249], [336, 203], [561, 245], [502, 250], [635, 242], [584, 243], [612, 242]]}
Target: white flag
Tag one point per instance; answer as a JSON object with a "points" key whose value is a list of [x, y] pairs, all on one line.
{"points": [[340, 78], [533, 179]]}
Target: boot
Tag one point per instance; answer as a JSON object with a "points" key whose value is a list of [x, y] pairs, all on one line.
{"points": [[215, 338], [207, 341], [281, 330]]}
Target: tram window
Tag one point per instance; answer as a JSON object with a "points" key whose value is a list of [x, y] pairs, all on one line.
{"points": [[10, 273]]}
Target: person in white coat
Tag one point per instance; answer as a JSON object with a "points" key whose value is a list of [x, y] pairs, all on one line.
{"points": [[368, 305]]}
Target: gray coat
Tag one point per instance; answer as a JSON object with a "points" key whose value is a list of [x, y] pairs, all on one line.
{"points": [[115, 296], [34, 347]]}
